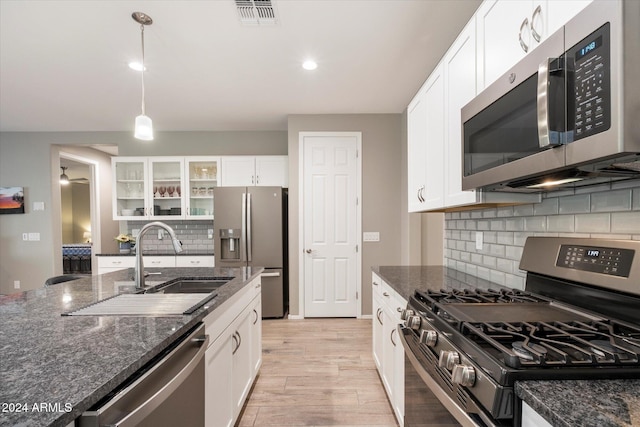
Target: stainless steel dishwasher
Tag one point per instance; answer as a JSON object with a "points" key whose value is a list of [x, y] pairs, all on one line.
{"points": [[168, 391]]}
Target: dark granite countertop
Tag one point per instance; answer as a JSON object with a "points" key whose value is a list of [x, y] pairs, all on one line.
{"points": [[69, 363], [563, 403], [186, 252]]}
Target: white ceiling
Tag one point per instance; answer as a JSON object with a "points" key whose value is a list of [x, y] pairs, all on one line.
{"points": [[63, 64]]}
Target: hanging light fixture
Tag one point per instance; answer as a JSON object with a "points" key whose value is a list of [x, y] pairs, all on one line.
{"points": [[144, 126], [64, 179]]}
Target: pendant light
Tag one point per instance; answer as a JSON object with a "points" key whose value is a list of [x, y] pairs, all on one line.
{"points": [[144, 126], [64, 179]]}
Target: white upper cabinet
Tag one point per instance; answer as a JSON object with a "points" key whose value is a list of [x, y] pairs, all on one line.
{"points": [[460, 88], [509, 29], [202, 175], [254, 171]]}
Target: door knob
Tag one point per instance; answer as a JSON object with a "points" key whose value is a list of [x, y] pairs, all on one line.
{"points": [[308, 251]]}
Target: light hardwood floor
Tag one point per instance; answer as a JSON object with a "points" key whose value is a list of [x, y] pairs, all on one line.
{"points": [[317, 372]]}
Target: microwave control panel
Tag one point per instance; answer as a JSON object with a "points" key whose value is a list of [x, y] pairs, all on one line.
{"points": [[592, 83], [613, 261]]}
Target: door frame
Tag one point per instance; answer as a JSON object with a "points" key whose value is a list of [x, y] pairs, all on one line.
{"points": [[301, 224], [94, 207]]}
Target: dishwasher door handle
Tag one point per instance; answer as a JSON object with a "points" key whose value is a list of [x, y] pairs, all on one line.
{"points": [[134, 417]]}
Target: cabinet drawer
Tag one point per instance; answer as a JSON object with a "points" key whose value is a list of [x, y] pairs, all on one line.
{"points": [[195, 261], [116, 262], [159, 261]]}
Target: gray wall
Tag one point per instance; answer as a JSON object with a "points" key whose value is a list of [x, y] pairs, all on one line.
{"points": [[382, 191], [611, 211], [31, 160]]}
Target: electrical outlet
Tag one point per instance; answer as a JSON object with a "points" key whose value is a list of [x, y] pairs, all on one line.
{"points": [[35, 237], [38, 206], [479, 240], [16, 284], [25, 236], [210, 233]]}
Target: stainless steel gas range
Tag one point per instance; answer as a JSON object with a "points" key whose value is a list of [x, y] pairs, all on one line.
{"points": [[578, 318]]}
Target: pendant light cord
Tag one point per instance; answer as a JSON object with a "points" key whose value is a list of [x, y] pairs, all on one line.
{"points": [[142, 36]]}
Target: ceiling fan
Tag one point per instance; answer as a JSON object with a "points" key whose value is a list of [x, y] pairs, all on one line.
{"points": [[64, 179]]}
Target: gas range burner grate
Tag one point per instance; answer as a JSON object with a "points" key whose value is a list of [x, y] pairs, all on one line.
{"points": [[507, 296], [554, 344]]}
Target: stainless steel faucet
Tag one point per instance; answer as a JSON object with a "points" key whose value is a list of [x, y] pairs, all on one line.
{"points": [[138, 273]]}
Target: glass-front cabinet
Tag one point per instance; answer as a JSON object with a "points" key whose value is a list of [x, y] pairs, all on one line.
{"points": [[167, 186], [202, 176], [164, 187], [129, 187]]}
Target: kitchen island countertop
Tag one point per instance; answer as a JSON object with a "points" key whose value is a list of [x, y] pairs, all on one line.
{"points": [[562, 403], [54, 367]]}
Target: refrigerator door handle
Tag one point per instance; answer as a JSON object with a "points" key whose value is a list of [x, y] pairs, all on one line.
{"points": [[249, 242], [243, 237], [270, 274]]}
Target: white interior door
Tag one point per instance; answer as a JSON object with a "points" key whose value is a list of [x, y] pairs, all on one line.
{"points": [[331, 224]]}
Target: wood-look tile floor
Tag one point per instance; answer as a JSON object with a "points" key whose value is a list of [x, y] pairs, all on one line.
{"points": [[317, 372]]}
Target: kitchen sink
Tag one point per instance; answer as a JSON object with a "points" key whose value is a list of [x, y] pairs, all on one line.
{"points": [[189, 286], [176, 297]]}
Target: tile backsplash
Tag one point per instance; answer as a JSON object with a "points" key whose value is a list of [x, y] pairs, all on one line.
{"points": [[192, 234], [611, 211]]}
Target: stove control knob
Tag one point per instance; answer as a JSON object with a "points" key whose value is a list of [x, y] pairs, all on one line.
{"points": [[428, 337], [463, 375], [413, 322], [406, 313], [448, 359]]}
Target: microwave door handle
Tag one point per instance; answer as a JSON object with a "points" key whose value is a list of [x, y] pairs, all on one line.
{"points": [[543, 103]]}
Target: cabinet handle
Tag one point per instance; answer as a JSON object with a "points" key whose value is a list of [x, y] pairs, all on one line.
{"points": [[239, 340], [256, 313], [257, 179], [155, 262], [375, 284], [534, 33], [252, 179], [258, 286], [523, 45], [116, 262], [399, 309], [378, 315], [418, 195], [194, 262], [235, 338], [391, 336], [385, 294]]}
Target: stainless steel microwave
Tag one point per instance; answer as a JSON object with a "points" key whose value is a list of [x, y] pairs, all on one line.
{"points": [[567, 114]]}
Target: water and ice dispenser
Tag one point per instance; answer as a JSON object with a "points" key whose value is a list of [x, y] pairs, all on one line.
{"points": [[230, 244]]}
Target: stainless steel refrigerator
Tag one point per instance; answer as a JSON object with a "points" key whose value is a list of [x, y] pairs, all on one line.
{"points": [[250, 229]]}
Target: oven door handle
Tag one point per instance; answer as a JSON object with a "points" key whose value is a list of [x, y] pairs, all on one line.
{"points": [[456, 411]]}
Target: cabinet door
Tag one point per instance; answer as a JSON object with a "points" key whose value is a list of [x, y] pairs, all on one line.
{"points": [[434, 160], [219, 404], [202, 175], [559, 12], [166, 187], [416, 150], [130, 192], [499, 32], [389, 342], [256, 336], [241, 365], [377, 331], [237, 171], [460, 88], [272, 171]]}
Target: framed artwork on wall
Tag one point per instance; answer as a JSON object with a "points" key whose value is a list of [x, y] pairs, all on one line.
{"points": [[11, 200]]}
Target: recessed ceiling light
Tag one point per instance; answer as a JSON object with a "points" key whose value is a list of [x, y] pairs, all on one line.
{"points": [[309, 65], [136, 66]]}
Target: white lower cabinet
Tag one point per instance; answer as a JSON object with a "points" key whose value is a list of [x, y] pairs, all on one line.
{"points": [[234, 355], [388, 352], [107, 264], [219, 405], [530, 418]]}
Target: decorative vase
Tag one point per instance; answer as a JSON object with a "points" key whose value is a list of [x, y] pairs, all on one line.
{"points": [[125, 247]]}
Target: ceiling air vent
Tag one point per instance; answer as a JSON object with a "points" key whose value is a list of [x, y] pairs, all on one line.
{"points": [[256, 12]]}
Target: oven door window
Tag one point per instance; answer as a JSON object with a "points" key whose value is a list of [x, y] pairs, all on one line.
{"points": [[507, 130]]}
